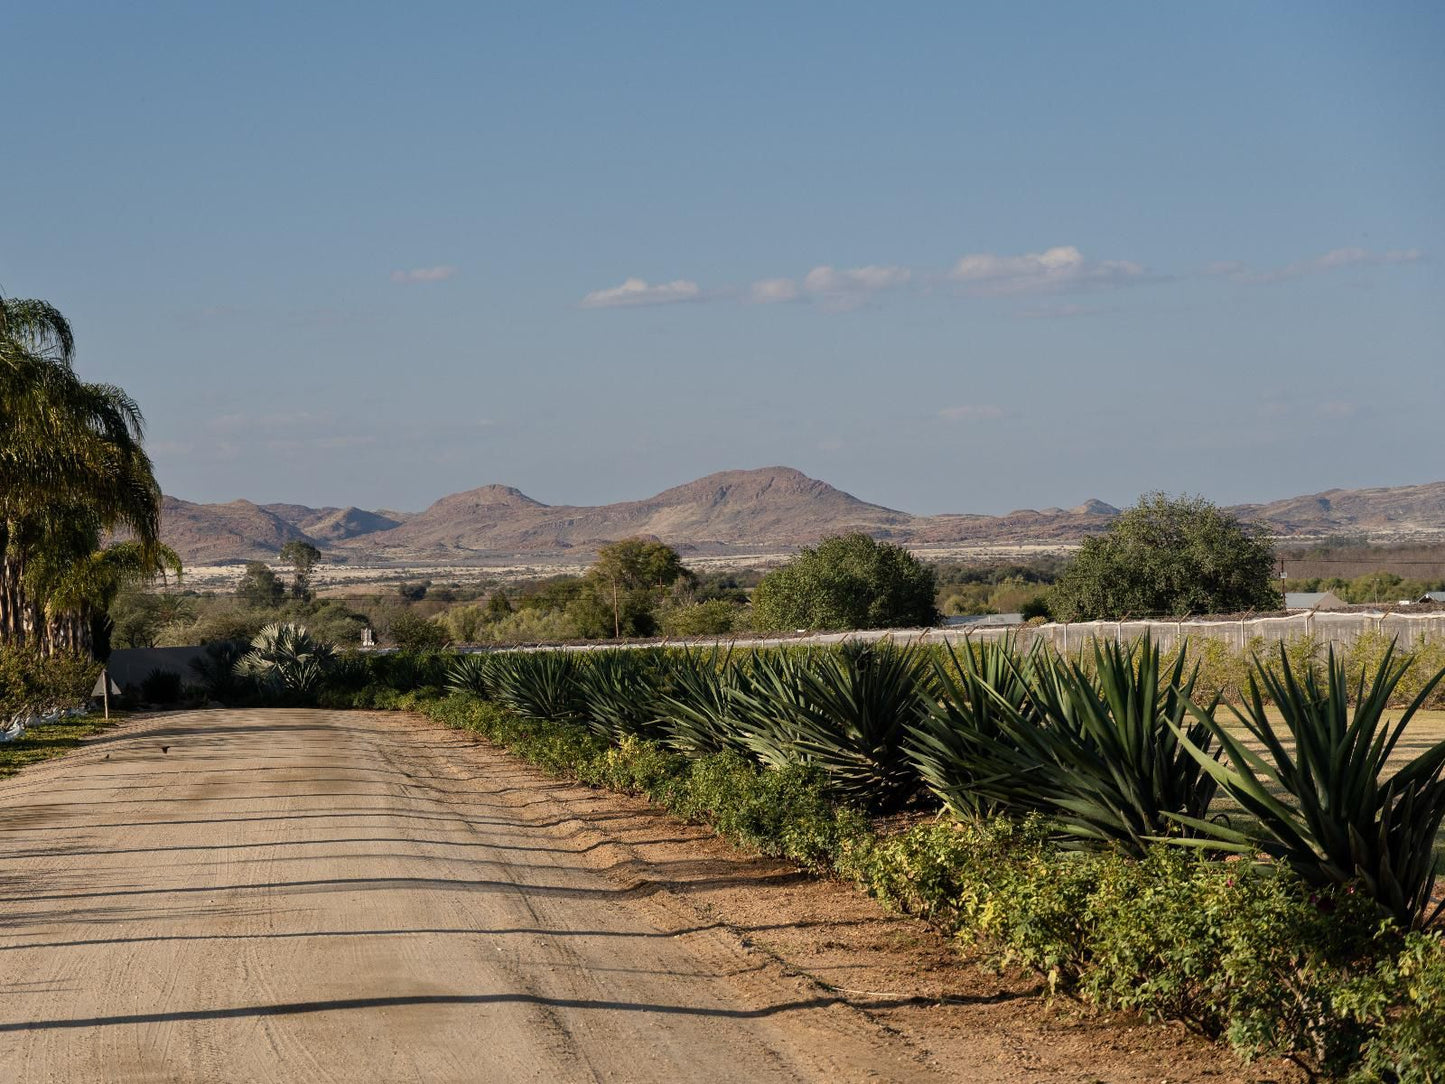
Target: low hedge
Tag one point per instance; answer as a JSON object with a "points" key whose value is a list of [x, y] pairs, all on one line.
{"points": [[1235, 950]]}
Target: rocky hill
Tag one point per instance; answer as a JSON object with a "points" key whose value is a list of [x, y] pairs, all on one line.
{"points": [[1409, 511], [770, 509]]}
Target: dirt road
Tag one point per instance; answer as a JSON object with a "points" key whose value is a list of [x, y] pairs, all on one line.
{"points": [[307, 895]]}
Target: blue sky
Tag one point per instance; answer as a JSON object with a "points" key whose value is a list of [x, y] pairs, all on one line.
{"points": [[946, 257]]}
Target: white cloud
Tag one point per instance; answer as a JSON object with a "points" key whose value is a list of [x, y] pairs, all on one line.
{"points": [[771, 291], [971, 412], [1056, 269], [841, 290], [425, 274], [638, 292], [1329, 261]]}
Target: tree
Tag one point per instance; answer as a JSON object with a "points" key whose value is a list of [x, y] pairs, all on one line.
{"points": [[849, 581], [1168, 556], [301, 556], [72, 471], [412, 632], [621, 591], [260, 587]]}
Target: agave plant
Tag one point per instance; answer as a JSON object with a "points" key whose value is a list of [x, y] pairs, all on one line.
{"points": [[1321, 803], [539, 685], [957, 746], [470, 674], [1098, 753], [847, 713], [1117, 770], [285, 658], [620, 689], [699, 704], [408, 670]]}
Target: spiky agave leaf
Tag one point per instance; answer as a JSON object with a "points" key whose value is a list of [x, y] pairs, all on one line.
{"points": [[620, 690], [471, 674], [699, 703], [957, 746], [1116, 772], [846, 712], [1322, 803], [539, 685]]}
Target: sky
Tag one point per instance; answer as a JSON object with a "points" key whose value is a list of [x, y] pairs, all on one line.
{"points": [[947, 257]]}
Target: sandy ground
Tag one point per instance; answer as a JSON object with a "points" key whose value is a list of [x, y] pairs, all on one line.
{"points": [[306, 895]]}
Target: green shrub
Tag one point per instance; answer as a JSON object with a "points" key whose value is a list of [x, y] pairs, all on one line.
{"points": [[412, 632], [35, 684], [161, 687], [848, 582], [715, 617], [1402, 1002]]}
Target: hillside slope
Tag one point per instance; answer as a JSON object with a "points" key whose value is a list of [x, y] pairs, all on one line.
{"points": [[764, 510]]}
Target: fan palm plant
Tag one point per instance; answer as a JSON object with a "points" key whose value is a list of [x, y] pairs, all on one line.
{"points": [[1318, 793], [286, 659]]}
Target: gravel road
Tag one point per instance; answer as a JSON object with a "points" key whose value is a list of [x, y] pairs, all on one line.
{"points": [[310, 895]]}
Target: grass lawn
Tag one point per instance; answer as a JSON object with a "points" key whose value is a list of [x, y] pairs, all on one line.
{"points": [[49, 740]]}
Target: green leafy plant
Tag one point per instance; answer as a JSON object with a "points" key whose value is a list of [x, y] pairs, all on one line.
{"points": [[958, 747], [619, 690], [1324, 806], [470, 674], [848, 713], [1114, 768], [286, 659], [699, 704], [539, 684]]}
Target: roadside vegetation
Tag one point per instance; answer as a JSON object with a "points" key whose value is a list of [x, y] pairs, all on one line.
{"points": [[1269, 879]]}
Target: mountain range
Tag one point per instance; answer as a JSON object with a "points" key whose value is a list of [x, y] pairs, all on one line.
{"points": [[741, 511]]}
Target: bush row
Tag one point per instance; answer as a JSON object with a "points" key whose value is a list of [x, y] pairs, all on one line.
{"points": [[1236, 950]]}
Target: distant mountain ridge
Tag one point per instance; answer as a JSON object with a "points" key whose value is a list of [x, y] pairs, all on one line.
{"points": [[745, 511]]}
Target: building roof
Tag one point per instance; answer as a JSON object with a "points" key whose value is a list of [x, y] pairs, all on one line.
{"points": [[1313, 600], [1432, 596]]}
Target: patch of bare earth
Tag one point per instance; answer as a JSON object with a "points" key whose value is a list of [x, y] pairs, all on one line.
{"points": [[940, 1000]]}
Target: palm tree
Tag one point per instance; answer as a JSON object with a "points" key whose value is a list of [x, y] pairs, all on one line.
{"points": [[72, 471]]}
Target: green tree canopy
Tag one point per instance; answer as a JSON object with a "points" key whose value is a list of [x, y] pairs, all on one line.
{"points": [[851, 581], [622, 591], [301, 556], [259, 586], [1168, 556], [72, 471]]}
